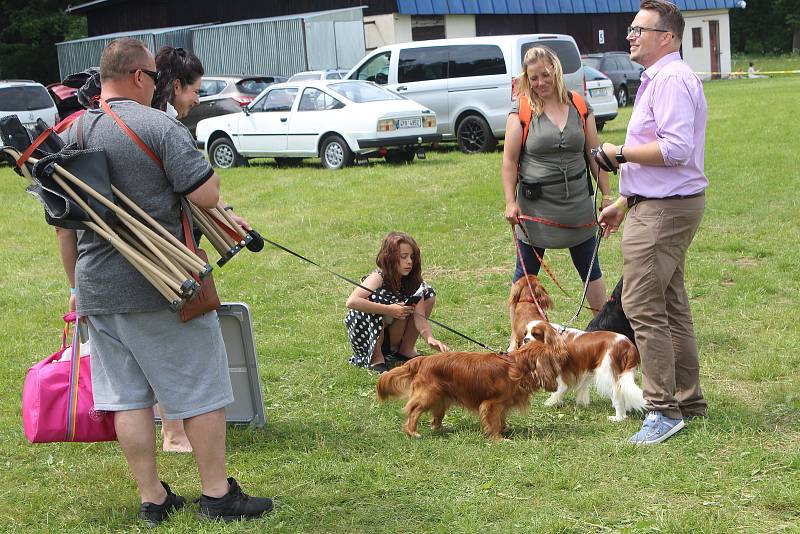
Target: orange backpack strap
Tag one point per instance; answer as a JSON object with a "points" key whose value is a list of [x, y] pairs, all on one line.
{"points": [[525, 113], [580, 104]]}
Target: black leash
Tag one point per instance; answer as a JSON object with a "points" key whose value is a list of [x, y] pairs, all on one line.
{"points": [[365, 288]]}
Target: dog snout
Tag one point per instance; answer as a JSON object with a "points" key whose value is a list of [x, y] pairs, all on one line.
{"points": [[527, 338]]}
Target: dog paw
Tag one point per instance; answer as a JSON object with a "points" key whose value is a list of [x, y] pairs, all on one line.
{"points": [[616, 419], [415, 435], [551, 402]]}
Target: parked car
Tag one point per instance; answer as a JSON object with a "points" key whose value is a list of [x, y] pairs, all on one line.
{"points": [[27, 100], [65, 98], [220, 95], [468, 82], [328, 74], [624, 74], [335, 120], [600, 95]]}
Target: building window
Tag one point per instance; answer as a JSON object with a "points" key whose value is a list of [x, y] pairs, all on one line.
{"points": [[424, 28], [697, 37]]}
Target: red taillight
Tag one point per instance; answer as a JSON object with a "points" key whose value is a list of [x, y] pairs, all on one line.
{"points": [[243, 100]]}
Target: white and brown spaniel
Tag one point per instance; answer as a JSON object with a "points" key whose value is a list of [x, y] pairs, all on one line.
{"points": [[608, 357]]}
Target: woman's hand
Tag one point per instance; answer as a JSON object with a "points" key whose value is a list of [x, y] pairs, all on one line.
{"points": [[437, 345], [400, 311], [512, 213]]}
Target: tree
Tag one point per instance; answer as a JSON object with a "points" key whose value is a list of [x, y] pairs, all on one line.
{"points": [[766, 26], [30, 33]]}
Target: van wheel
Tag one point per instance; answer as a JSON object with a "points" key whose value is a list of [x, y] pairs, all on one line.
{"points": [[223, 154], [474, 135], [622, 96], [335, 153]]}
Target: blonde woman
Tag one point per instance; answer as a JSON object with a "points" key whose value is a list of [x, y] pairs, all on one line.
{"points": [[546, 178]]}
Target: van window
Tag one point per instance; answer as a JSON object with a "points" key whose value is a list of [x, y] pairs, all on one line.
{"points": [[476, 60], [376, 69], [565, 51], [422, 64]]}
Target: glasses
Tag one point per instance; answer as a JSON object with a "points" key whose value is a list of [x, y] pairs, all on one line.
{"points": [[153, 74], [636, 31]]}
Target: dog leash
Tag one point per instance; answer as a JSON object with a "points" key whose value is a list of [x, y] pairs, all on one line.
{"points": [[372, 292]]}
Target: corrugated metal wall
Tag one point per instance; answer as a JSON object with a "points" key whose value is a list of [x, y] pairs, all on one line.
{"points": [[278, 45]]}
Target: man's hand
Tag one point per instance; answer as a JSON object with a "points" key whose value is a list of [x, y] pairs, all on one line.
{"points": [[611, 218]]}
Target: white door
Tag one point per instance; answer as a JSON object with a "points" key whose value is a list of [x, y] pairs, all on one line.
{"points": [[264, 131], [316, 110]]}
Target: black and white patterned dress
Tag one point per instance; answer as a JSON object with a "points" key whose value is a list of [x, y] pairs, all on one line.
{"points": [[364, 329]]}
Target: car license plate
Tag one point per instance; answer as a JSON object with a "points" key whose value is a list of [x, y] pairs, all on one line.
{"points": [[602, 91], [408, 123]]}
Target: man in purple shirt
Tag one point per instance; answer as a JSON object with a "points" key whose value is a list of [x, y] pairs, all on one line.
{"points": [[662, 188]]}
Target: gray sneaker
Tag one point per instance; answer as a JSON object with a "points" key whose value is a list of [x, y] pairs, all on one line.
{"points": [[656, 428]]}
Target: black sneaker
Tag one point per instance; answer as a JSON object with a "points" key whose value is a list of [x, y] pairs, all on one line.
{"points": [[153, 513], [235, 505]]}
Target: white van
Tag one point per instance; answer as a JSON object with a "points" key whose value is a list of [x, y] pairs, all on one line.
{"points": [[466, 81]]}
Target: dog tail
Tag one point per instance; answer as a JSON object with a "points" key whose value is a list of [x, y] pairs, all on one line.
{"points": [[630, 393], [397, 382]]}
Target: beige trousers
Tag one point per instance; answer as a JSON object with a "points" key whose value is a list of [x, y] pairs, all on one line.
{"points": [[656, 237]]}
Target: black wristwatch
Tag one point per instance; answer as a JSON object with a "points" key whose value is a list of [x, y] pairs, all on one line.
{"points": [[620, 157]]}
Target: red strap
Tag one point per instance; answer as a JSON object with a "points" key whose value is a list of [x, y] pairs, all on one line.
{"points": [[28, 151], [67, 122], [548, 222], [136, 139], [187, 231], [224, 226]]}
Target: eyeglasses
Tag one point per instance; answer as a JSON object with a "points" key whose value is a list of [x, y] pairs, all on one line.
{"points": [[153, 74], [637, 30]]}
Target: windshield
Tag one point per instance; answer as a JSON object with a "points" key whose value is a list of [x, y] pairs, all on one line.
{"points": [[24, 98], [363, 92]]}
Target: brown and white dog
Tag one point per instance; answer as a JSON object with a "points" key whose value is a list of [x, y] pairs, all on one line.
{"points": [[522, 307], [608, 357], [488, 383]]}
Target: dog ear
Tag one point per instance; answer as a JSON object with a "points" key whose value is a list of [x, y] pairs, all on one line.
{"points": [[548, 367], [516, 289], [541, 296]]}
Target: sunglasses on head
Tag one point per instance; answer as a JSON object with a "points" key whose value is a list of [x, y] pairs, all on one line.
{"points": [[153, 74]]}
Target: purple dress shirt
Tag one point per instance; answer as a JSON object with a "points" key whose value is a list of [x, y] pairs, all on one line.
{"points": [[670, 108]]}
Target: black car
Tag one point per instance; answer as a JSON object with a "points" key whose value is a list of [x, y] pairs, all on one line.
{"points": [[624, 74], [220, 95]]}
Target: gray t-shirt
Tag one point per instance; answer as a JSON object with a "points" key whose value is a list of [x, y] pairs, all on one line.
{"points": [[105, 280]]}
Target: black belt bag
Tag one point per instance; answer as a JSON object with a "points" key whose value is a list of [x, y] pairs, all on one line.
{"points": [[533, 190]]}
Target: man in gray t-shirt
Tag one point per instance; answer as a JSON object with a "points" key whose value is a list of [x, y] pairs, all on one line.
{"points": [[140, 349]]}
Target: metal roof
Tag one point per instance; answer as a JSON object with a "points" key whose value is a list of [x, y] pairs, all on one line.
{"points": [[541, 7]]}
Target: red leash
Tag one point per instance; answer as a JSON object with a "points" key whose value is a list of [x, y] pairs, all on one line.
{"points": [[527, 280]]}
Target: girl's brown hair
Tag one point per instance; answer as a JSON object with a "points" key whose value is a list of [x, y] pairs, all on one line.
{"points": [[388, 261], [534, 55]]}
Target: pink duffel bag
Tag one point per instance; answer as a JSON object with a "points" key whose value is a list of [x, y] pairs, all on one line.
{"points": [[57, 403]]}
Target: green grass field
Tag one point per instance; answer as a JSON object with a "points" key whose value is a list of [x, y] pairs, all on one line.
{"points": [[336, 461]]}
